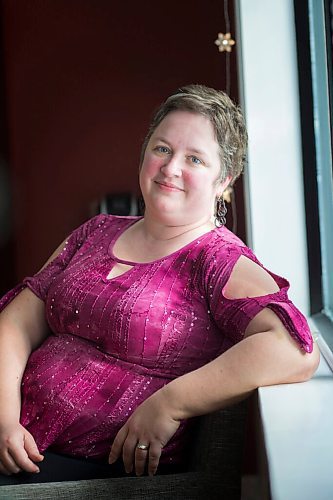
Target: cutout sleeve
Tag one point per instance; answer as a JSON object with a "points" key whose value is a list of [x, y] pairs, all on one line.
{"points": [[233, 315], [40, 282]]}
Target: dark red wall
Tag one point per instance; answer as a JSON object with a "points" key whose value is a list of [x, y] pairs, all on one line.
{"points": [[81, 80]]}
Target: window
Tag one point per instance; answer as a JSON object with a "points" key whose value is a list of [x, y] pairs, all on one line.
{"points": [[314, 41]]}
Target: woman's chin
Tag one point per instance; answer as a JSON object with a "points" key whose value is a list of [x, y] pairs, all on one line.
{"points": [[164, 214], [164, 207]]}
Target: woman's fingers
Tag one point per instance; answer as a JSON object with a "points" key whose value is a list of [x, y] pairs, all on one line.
{"points": [[18, 450], [16, 458], [150, 456], [140, 457], [128, 452], [21, 459], [31, 448], [8, 465], [152, 425], [3, 470], [155, 452], [117, 446], [126, 444]]}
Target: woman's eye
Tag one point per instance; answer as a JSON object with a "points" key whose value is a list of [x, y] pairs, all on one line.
{"points": [[196, 160], [162, 149]]}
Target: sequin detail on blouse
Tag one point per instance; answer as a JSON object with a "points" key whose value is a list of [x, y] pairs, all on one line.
{"points": [[116, 341]]}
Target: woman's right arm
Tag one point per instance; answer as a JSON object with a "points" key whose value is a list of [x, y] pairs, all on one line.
{"points": [[23, 328]]}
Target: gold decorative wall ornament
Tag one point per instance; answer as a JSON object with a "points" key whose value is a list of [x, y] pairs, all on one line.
{"points": [[224, 42]]}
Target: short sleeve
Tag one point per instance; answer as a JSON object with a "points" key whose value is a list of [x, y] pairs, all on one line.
{"points": [[40, 282], [233, 315]]}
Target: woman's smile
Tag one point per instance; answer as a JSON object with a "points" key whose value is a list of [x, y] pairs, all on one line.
{"points": [[168, 186]]}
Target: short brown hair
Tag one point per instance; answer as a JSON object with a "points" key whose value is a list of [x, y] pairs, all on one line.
{"points": [[225, 116]]}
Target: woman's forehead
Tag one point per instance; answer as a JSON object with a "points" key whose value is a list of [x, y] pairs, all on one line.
{"points": [[186, 124]]}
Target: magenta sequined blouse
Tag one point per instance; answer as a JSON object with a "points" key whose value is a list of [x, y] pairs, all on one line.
{"points": [[116, 341]]}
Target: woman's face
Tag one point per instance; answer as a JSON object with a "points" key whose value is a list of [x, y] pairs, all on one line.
{"points": [[180, 170]]}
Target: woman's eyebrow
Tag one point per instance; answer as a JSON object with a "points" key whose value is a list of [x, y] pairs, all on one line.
{"points": [[192, 149], [197, 151], [161, 139]]}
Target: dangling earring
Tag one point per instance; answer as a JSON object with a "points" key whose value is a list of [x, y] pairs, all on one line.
{"points": [[220, 212]]}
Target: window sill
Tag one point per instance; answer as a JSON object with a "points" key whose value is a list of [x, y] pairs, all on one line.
{"points": [[298, 436], [321, 323]]}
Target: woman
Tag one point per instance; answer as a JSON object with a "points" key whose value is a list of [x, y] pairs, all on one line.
{"points": [[136, 325]]}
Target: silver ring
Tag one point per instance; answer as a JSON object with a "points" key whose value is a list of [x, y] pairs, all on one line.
{"points": [[141, 446]]}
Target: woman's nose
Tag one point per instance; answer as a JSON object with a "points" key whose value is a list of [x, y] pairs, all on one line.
{"points": [[172, 167]]}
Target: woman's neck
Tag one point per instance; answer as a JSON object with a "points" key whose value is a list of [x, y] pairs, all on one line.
{"points": [[149, 239], [159, 231]]}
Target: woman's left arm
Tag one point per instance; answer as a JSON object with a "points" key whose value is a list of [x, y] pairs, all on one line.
{"points": [[266, 356]]}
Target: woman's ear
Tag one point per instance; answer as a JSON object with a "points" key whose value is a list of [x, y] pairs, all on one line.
{"points": [[223, 186]]}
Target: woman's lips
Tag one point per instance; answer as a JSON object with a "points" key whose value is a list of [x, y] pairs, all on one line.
{"points": [[168, 186]]}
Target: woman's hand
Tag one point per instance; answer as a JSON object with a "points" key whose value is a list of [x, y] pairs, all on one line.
{"points": [[18, 450], [151, 424]]}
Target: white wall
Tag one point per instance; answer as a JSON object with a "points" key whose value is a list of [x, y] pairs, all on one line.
{"points": [[268, 80]]}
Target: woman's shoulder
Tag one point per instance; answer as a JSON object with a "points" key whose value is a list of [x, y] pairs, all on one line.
{"points": [[224, 243], [229, 237], [229, 257], [220, 253], [103, 222]]}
